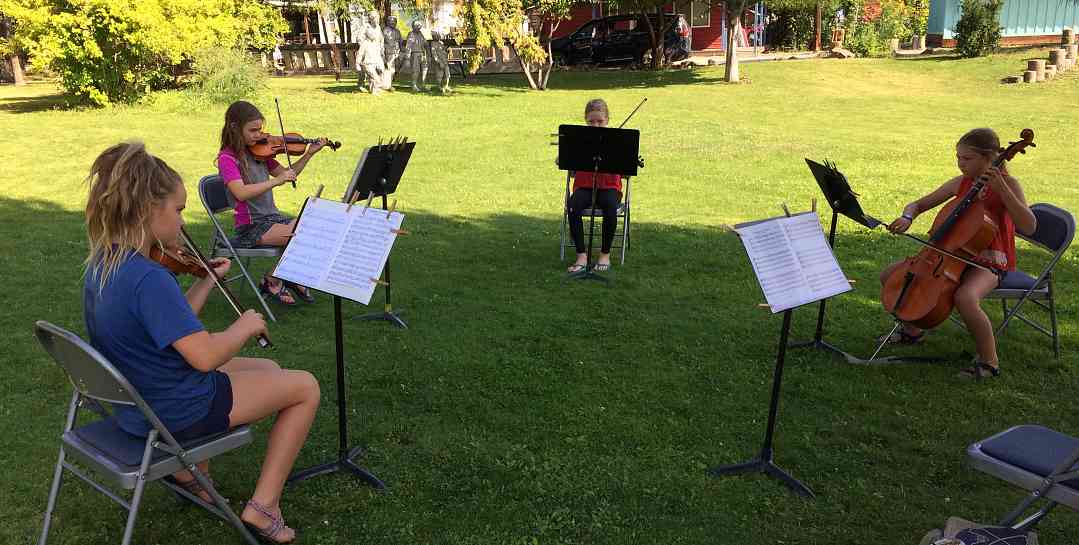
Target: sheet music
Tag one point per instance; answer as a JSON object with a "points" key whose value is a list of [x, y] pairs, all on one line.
{"points": [[792, 260], [339, 252]]}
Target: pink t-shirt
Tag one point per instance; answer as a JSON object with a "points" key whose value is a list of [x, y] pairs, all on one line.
{"points": [[229, 169]]}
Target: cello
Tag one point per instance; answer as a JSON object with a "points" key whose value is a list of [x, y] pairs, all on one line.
{"points": [[921, 291]]}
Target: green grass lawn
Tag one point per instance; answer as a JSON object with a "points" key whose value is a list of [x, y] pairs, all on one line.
{"points": [[523, 409]]}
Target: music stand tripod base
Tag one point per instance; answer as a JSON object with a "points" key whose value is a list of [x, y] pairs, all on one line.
{"points": [[388, 314], [765, 464], [344, 463]]}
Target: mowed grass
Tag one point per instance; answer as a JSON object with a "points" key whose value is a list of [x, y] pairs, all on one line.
{"points": [[520, 408]]}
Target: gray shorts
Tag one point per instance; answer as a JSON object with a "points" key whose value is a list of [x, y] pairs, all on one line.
{"points": [[247, 236]]}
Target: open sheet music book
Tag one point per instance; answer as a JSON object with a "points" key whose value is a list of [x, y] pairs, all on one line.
{"points": [[792, 260], [337, 251]]}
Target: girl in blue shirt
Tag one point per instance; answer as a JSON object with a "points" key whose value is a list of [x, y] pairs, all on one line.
{"points": [[139, 319]]}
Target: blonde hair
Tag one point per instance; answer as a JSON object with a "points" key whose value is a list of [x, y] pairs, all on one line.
{"points": [[596, 105], [126, 183], [984, 141]]}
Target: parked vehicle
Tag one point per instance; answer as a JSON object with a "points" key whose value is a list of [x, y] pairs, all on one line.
{"points": [[620, 39]]}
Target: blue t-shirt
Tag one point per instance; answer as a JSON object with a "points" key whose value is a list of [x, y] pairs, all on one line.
{"points": [[133, 323]]}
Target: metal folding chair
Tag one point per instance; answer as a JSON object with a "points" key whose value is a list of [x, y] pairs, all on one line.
{"points": [[215, 199], [124, 460], [1038, 459], [621, 233], [1056, 229]]}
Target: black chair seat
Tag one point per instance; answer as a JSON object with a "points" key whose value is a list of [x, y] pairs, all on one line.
{"points": [[1033, 448]]}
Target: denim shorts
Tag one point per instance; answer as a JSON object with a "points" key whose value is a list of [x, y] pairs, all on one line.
{"points": [[217, 420]]}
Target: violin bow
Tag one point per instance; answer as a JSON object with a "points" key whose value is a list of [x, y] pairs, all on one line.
{"points": [[263, 340], [281, 122], [643, 100]]}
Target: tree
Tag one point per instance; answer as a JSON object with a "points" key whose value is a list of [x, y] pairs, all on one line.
{"points": [[106, 51], [646, 8], [518, 23], [543, 15], [734, 10], [9, 55]]}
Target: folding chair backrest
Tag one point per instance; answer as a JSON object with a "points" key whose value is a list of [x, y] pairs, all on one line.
{"points": [[214, 195], [91, 374], [1056, 228]]}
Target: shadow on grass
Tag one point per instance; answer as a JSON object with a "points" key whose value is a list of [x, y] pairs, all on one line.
{"points": [[575, 80], [26, 105]]}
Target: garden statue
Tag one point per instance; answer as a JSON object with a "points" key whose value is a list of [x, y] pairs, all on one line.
{"points": [[440, 60], [391, 49], [416, 55], [369, 56]]}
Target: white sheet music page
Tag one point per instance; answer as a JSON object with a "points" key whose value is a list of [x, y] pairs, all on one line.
{"points": [[792, 260], [339, 252]]}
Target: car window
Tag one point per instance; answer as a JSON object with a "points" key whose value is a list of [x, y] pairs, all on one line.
{"points": [[623, 25], [587, 31]]}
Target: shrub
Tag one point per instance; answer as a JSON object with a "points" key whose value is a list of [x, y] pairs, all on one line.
{"points": [[871, 25], [107, 51], [918, 16], [893, 21], [225, 75], [978, 31]]}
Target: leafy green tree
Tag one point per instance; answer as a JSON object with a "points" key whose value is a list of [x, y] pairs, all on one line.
{"points": [[519, 23], [106, 51]]}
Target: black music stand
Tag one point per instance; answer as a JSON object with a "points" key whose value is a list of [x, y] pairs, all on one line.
{"points": [[597, 149], [764, 462], [345, 455], [842, 200], [377, 174]]}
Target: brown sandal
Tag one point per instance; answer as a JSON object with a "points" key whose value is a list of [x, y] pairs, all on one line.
{"points": [[192, 487], [277, 525]]}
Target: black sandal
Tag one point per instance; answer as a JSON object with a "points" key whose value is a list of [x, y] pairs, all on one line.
{"points": [[979, 371], [279, 295], [303, 292]]}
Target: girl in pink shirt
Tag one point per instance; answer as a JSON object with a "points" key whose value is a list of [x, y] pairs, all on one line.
{"points": [[250, 184]]}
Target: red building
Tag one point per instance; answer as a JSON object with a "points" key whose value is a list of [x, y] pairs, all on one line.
{"points": [[706, 22]]}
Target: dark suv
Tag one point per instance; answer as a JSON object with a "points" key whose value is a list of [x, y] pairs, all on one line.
{"points": [[620, 38]]}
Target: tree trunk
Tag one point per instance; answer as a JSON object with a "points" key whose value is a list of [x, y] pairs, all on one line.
{"points": [[526, 68], [731, 73], [816, 29]]}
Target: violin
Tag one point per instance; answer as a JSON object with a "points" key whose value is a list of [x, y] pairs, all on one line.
{"points": [[292, 143], [177, 261], [921, 291]]}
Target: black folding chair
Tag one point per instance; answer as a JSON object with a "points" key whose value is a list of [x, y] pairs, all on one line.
{"points": [[1036, 458], [215, 199], [124, 460], [621, 233]]}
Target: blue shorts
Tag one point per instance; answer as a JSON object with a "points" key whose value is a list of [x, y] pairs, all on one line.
{"points": [[217, 420]]}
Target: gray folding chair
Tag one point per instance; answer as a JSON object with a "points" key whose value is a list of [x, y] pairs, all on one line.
{"points": [[1056, 228], [124, 460], [215, 199], [1038, 459], [621, 233]]}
